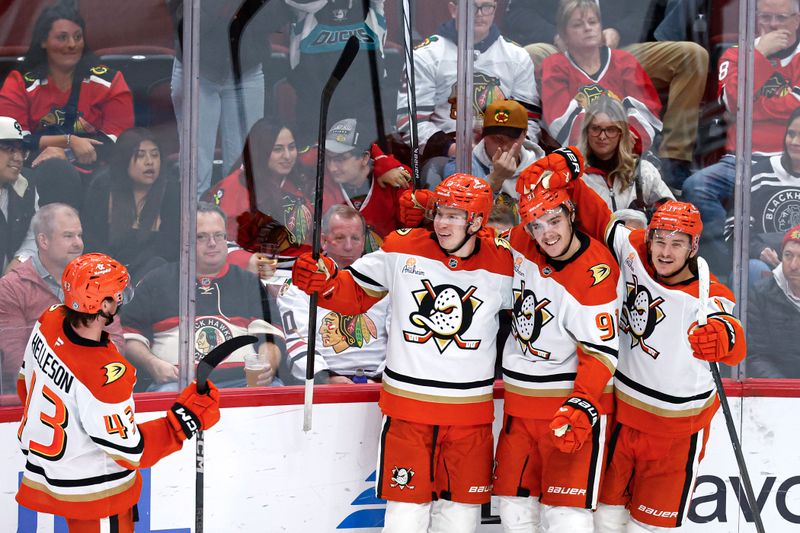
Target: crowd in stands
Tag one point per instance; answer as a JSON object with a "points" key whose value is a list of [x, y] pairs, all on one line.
{"points": [[625, 81]]}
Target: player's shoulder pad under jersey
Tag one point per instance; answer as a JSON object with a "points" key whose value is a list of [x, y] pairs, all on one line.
{"points": [[427, 42], [101, 369], [406, 240], [595, 275]]}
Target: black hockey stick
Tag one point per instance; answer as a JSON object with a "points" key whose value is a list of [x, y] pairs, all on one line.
{"points": [[411, 95], [344, 62], [375, 77], [204, 368], [702, 319]]}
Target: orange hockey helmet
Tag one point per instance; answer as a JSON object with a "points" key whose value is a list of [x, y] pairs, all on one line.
{"points": [[91, 278], [462, 191], [541, 201], [680, 217]]}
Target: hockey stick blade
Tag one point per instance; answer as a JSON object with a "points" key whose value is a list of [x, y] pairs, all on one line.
{"points": [[349, 53], [208, 363]]}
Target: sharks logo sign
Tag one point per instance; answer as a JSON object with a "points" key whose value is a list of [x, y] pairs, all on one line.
{"points": [[530, 315], [445, 313], [640, 314]]}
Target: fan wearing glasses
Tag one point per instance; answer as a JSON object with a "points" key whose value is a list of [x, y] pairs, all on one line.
{"points": [[631, 187]]}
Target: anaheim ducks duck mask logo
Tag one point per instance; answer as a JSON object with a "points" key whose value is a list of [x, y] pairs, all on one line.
{"points": [[530, 315], [640, 314], [445, 314]]}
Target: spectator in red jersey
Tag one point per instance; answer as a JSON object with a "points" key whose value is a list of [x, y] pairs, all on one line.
{"points": [[258, 217], [588, 69], [71, 106]]}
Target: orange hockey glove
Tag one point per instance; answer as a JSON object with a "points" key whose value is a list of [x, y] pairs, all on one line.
{"points": [[412, 207], [553, 171], [712, 342], [572, 424], [313, 276], [193, 411]]}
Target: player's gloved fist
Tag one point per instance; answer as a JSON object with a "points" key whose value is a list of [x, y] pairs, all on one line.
{"points": [[572, 424], [312, 275], [553, 171], [193, 411], [711, 342], [412, 207]]}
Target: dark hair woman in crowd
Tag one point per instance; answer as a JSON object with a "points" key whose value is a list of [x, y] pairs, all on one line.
{"points": [[132, 208], [268, 191], [69, 105]]}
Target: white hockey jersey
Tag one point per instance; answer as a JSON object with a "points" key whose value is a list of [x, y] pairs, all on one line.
{"points": [[660, 386], [503, 71], [344, 344], [564, 338], [444, 311], [78, 424]]}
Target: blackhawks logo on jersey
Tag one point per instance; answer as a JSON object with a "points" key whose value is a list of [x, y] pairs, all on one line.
{"points": [[640, 314], [445, 313], [530, 315], [341, 332]]}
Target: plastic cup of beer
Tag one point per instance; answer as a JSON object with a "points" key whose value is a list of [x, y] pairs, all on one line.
{"points": [[255, 364]]}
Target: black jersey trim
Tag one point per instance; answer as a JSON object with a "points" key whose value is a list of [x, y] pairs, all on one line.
{"points": [[567, 376], [600, 348], [133, 450], [638, 387], [362, 277], [96, 480], [439, 384]]}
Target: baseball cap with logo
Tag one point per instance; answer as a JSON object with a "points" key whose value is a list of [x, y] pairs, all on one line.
{"points": [[506, 114], [343, 137], [10, 130]]}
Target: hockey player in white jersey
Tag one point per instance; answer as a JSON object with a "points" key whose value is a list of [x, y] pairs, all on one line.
{"points": [[78, 432], [557, 370], [664, 390], [447, 287], [345, 343]]}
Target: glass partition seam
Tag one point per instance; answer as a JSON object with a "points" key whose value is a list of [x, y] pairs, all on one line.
{"points": [[464, 80], [744, 151], [188, 173]]}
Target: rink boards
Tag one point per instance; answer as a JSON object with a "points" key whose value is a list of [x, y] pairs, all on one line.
{"points": [[263, 474]]}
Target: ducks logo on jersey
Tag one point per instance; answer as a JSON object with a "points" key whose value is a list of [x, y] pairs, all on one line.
{"points": [[640, 314], [530, 315], [445, 313]]}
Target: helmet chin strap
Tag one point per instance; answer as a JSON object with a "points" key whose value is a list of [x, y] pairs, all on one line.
{"points": [[467, 236]]}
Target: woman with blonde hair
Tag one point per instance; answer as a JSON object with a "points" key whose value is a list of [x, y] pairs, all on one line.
{"points": [[613, 170], [587, 70]]}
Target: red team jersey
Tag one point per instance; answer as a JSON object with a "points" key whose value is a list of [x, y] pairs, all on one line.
{"points": [[563, 80], [78, 431], [443, 323], [564, 331], [660, 387], [776, 96], [105, 103]]}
